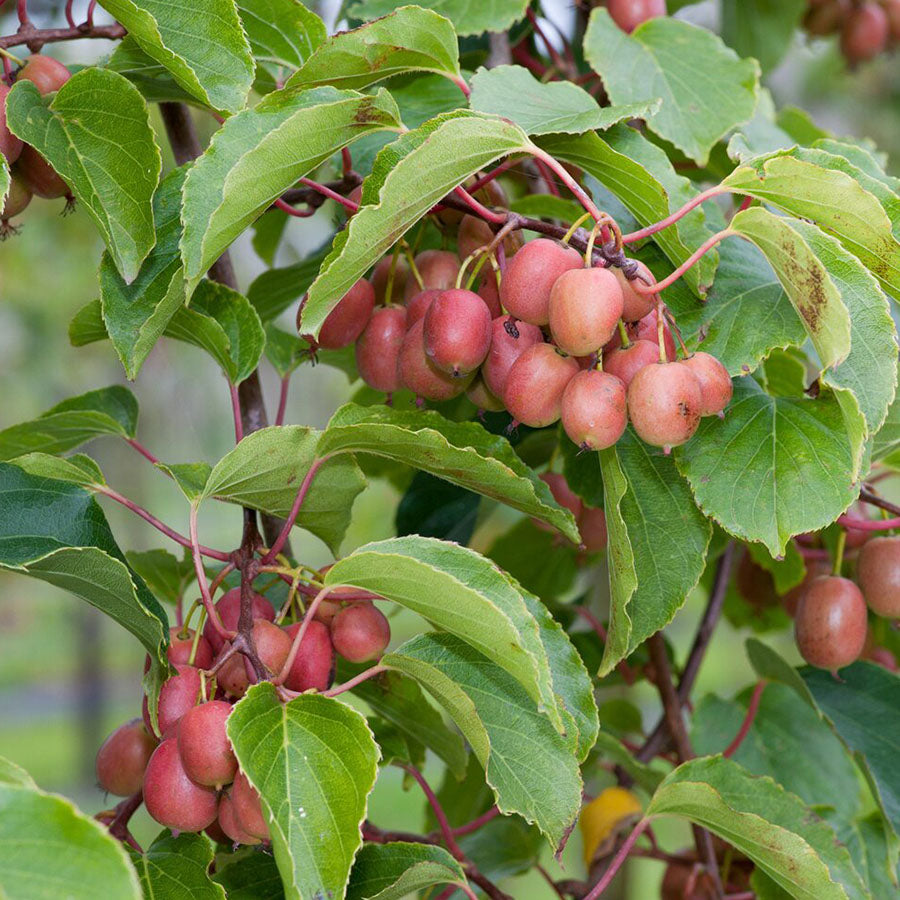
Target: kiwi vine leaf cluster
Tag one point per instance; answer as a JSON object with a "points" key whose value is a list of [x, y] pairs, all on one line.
{"points": [[618, 335]]}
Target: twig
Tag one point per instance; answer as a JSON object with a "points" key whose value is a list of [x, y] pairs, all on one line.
{"points": [[692, 260], [118, 827], [371, 672], [282, 399], [617, 860], [475, 824], [749, 718], [211, 611], [870, 497], [137, 445], [438, 810], [702, 197], [35, 38], [282, 537]]}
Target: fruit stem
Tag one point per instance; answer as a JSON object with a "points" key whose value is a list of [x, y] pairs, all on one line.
{"points": [[618, 859], [480, 251], [301, 631], [137, 445], [282, 399], [351, 683], [407, 251], [280, 541], [747, 724], [346, 202], [211, 611], [438, 810], [8, 55], [661, 337], [198, 633], [574, 227], [839, 551], [216, 583], [487, 214], [674, 327], [184, 627], [623, 334], [702, 197], [490, 176]]}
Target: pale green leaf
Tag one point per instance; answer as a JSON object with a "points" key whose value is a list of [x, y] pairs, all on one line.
{"points": [[79, 469], [395, 870], [283, 34], [468, 16]]}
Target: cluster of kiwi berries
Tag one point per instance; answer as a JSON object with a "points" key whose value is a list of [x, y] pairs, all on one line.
{"points": [[31, 174], [867, 28], [186, 768], [555, 339]]}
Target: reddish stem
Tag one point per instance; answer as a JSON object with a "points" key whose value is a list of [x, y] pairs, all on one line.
{"points": [[346, 161], [328, 192], [812, 552], [156, 523], [89, 18], [461, 84], [295, 511], [293, 211], [868, 524], [348, 685], [211, 612], [617, 861], [745, 203], [40, 36], [563, 173], [704, 248], [475, 824], [547, 175], [282, 400], [747, 724], [301, 631], [558, 61], [702, 197], [485, 213], [69, 17], [137, 445], [22, 12], [439, 814], [236, 411], [490, 176]]}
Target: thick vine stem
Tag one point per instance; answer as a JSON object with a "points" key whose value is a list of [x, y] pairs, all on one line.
{"points": [[35, 38], [245, 560]]}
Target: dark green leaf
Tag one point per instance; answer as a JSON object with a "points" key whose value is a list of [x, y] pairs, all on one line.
{"points": [[761, 28], [175, 868], [541, 561], [436, 508], [393, 871], [167, 576], [272, 292]]}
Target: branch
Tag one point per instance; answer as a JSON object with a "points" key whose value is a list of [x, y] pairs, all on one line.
{"points": [[868, 496], [35, 38], [438, 810]]}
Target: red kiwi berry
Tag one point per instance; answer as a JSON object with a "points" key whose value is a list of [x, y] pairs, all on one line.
{"points": [[418, 374], [40, 176], [10, 145], [228, 607], [204, 747], [562, 494], [378, 348], [44, 72], [831, 623], [509, 340], [865, 33], [228, 821], [438, 270], [360, 632], [715, 382], [628, 14], [248, 808], [636, 304], [345, 323], [530, 275], [179, 650], [123, 757], [457, 329], [483, 399], [878, 574], [593, 409], [814, 569], [592, 526], [170, 796], [418, 306], [626, 362], [489, 291], [535, 385], [177, 695], [585, 306], [664, 403], [272, 647], [313, 666]]}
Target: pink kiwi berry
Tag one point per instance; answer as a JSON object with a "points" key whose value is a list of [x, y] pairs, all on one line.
{"points": [[420, 375], [438, 270], [715, 382], [178, 694], [585, 305], [664, 403], [248, 809], [313, 666], [378, 348], [457, 331], [626, 362], [531, 274], [535, 385], [592, 526], [360, 632], [593, 409], [205, 750], [636, 303], [170, 796], [831, 622], [229, 608], [509, 340], [628, 14], [123, 757], [345, 323]]}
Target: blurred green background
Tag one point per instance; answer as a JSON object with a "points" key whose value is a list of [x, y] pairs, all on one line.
{"points": [[67, 674]]}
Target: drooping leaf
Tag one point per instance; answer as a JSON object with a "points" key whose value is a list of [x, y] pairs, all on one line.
{"points": [[764, 490], [546, 107], [260, 153], [395, 870], [774, 828], [527, 763], [410, 39], [463, 593], [49, 849], [111, 163], [464, 453], [78, 469], [173, 868], [265, 470], [468, 16], [409, 177], [314, 762], [762, 29], [107, 411], [4, 179], [704, 87], [203, 45], [657, 543], [152, 79]]}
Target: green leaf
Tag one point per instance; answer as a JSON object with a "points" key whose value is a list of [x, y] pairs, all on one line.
{"points": [[202, 44], [546, 107], [173, 868], [396, 747], [762, 29], [436, 508], [259, 153], [399, 701], [274, 290], [79, 469], [265, 470], [459, 591], [882, 874], [107, 411], [774, 828], [167, 576], [411, 39], [394, 871], [706, 90], [468, 16], [4, 179], [15, 775], [111, 163], [224, 324], [410, 176], [657, 543], [314, 762], [283, 34], [87, 325], [830, 199], [153, 80], [764, 490], [527, 764], [463, 453], [285, 351], [537, 559], [887, 439], [48, 850], [249, 875], [136, 314], [611, 749], [191, 478]]}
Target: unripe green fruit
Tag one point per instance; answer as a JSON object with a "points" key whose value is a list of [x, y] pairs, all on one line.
{"points": [[664, 403], [422, 377], [535, 385], [248, 811], [438, 269], [229, 608], [715, 382], [585, 306], [360, 632], [457, 331], [636, 305], [10, 145], [228, 821], [177, 695], [831, 623], [204, 747], [345, 323], [171, 798], [593, 409], [628, 14], [40, 176], [865, 33], [313, 666], [530, 276], [378, 349], [878, 574], [44, 72], [626, 362], [509, 340], [123, 757]]}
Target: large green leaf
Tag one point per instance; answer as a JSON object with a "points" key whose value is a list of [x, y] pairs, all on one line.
{"points": [[202, 44], [283, 34], [464, 453], [766, 490], [265, 470], [274, 290], [250, 875], [657, 543], [260, 153], [705, 89], [463, 593], [136, 314], [775, 829], [831, 199], [111, 162], [527, 763], [174, 868], [409, 177], [107, 411], [394, 871], [762, 29], [313, 761], [411, 39], [546, 107], [49, 850], [468, 16], [152, 79]]}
